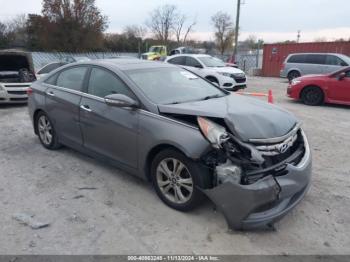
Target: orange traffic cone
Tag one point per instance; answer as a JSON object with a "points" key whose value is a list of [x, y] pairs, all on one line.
{"points": [[270, 97]]}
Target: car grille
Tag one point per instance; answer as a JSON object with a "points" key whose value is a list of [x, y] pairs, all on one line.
{"points": [[277, 156], [276, 153], [16, 85], [17, 92], [239, 78], [19, 99]]}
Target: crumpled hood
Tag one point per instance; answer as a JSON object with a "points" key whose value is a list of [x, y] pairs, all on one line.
{"points": [[248, 118]]}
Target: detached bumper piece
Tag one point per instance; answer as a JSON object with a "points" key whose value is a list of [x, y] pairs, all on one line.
{"points": [[264, 202]]}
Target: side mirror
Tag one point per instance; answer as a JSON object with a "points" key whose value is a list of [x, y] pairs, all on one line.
{"points": [[341, 76], [119, 100], [198, 66]]}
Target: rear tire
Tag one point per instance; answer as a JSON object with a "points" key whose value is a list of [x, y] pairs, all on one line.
{"points": [[176, 179], [312, 96], [292, 75], [46, 132]]}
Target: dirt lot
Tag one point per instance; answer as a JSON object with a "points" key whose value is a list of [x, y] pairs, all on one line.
{"points": [[120, 214]]}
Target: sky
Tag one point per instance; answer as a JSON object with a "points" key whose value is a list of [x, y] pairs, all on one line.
{"points": [[270, 20]]}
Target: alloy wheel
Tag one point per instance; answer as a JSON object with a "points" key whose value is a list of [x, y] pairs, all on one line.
{"points": [[45, 130], [174, 180]]}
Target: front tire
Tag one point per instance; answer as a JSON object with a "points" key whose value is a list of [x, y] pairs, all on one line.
{"points": [[312, 96], [46, 132], [176, 179]]}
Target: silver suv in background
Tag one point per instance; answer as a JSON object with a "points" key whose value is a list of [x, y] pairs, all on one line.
{"points": [[297, 65]]}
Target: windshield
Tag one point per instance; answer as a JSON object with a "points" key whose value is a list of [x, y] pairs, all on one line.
{"points": [[210, 61], [173, 85], [346, 59], [155, 49]]}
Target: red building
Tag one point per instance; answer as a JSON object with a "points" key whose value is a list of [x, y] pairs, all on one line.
{"points": [[275, 54]]}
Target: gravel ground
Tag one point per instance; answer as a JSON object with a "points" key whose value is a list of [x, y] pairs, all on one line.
{"points": [[119, 214]]}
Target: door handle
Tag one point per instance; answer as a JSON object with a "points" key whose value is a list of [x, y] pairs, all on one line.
{"points": [[50, 93], [86, 108]]}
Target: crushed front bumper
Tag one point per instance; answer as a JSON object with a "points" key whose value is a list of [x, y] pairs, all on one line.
{"points": [[266, 201]]}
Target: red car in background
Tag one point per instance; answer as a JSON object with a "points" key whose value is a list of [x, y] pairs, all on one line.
{"points": [[317, 89]]}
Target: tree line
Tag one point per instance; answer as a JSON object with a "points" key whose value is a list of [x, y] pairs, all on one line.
{"points": [[79, 26]]}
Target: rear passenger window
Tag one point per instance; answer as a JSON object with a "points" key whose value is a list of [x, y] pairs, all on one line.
{"points": [[103, 83], [297, 59], [72, 78], [315, 59], [190, 61], [336, 61], [180, 60]]}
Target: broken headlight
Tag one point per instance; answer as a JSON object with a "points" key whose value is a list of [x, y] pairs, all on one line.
{"points": [[212, 131]]}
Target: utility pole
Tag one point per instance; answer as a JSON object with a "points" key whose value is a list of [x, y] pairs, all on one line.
{"points": [[237, 29]]}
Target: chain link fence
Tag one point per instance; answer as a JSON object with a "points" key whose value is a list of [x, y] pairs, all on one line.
{"points": [[246, 60], [41, 59]]}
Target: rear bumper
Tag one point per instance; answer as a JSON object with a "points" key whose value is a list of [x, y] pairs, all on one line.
{"points": [[266, 201]]}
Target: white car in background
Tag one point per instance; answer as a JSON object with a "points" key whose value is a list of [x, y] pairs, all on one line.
{"points": [[213, 69], [49, 68]]}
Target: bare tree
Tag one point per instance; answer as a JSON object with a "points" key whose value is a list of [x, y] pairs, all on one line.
{"points": [[181, 33], [16, 31], [224, 32], [161, 22], [137, 31]]}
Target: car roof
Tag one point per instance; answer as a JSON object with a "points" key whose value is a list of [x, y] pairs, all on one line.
{"points": [[337, 54], [127, 63], [193, 55]]}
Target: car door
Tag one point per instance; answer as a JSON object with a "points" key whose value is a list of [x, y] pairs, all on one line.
{"points": [[315, 64], [178, 60], [192, 62], [108, 130], [339, 89], [62, 102]]}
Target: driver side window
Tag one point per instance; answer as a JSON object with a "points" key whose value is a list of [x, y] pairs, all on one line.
{"points": [[103, 83]]}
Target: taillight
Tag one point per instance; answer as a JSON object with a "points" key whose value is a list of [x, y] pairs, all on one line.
{"points": [[283, 66], [29, 91]]}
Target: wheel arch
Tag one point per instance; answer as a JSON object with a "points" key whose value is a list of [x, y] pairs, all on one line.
{"points": [[293, 69], [312, 85], [35, 116], [154, 151]]}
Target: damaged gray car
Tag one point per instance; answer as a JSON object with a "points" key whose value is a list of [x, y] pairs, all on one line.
{"points": [[191, 139]]}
